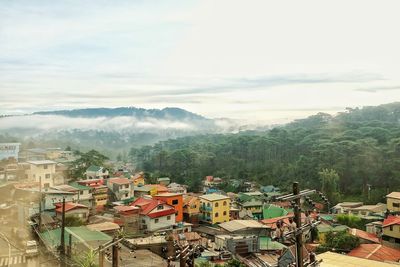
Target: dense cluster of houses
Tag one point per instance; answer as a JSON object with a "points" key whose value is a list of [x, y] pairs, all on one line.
{"points": [[164, 217]]}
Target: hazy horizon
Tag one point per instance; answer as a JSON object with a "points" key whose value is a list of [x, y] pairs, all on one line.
{"points": [[261, 62]]}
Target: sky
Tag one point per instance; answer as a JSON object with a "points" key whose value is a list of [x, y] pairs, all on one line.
{"points": [[256, 61]]}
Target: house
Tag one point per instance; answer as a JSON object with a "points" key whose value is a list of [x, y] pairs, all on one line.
{"points": [[164, 181], [214, 208], [251, 201], [344, 206], [393, 202], [269, 189], [233, 213], [96, 172], [175, 200], [177, 188], [211, 181], [244, 227], [84, 193], [191, 209], [376, 252], [368, 210], [138, 179], [154, 214], [42, 172], [238, 244], [391, 230], [324, 229], [128, 218], [374, 228], [189, 238], [330, 259], [143, 190], [9, 150], [99, 192], [73, 210], [120, 189], [364, 237]]}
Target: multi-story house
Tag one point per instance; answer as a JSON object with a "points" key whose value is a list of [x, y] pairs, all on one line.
{"points": [[138, 179], [154, 214], [175, 200], [120, 189], [97, 172], [41, 171], [214, 208], [191, 209], [251, 201], [99, 192], [391, 230], [393, 202], [84, 193], [177, 188]]}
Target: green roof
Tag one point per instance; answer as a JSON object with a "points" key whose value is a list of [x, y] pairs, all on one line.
{"points": [[79, 186], [163, 179], [324, 228], [93, 168], [271, 211], [267, 244], [52, 237]]}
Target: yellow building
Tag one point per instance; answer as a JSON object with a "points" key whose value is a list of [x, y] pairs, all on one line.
{"points": [[391, 229], [214, 208], [393, 201], [138, 179], [41, 171]]}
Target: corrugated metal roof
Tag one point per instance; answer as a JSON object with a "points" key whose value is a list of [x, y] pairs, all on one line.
{"points": [[237, 225], [376, 252], [213, 197], [330, 259]]}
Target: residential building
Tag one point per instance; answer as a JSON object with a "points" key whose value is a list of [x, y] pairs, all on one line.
{"points": [[138, 179], [376, 252], [214, 208], [177, 188], [154, 214], [164, 181], [391, 229], [120, 189], [99, 192], [344, 206], [238, 244], [96, 172], [85, 195], [393, 202], [175, 200], [41, 171], [73, 210], [374, 228], [9, 150], [144, 190], [365, 237], [211, 181], [245, 227], [109, 228], [368, 210], [191, 209], [50, 197], [251, 201], [128, 218]]}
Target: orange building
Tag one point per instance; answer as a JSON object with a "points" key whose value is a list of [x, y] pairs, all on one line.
{"points": [[175, 200]]}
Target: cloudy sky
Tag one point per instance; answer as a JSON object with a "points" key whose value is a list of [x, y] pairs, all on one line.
{"points": [[261, 60]]}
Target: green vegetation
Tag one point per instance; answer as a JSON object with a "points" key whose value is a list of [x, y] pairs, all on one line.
{"points": [[71, 221], [351, 221], [85, 160], [350, 151], [88, 259], [342, 241]]}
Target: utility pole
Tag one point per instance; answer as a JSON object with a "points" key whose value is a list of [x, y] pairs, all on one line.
{"points": [[115, 253], [40, 203], [62, 241], [297, 218]]}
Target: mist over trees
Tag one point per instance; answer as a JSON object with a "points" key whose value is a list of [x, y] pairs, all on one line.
{"points": [[349, 153]]}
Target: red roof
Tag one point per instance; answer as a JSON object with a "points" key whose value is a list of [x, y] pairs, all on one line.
{"points": [[118, 180], [69, 206], [365, 235], [125, 208], [376, 252], [148, 205], [391, 220]]}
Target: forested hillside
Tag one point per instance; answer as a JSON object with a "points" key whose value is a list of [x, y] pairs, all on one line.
{"points": [[361, 145]]}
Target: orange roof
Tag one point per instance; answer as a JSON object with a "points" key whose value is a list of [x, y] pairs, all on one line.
{"points": [[376, 252], [125, 208], [118, 180], [391, 220], [364, 235], [187, 200], [69, 206], [159, 187]]}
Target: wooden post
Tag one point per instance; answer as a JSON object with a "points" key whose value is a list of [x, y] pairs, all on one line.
{"points": [[297, 218], [115, 253], [62, 244], [101, 256]]}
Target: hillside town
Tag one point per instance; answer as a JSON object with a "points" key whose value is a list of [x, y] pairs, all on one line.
{"points": [[115, 215]]}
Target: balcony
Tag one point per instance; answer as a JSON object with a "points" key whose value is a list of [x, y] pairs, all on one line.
{"points": [[205, 208]]}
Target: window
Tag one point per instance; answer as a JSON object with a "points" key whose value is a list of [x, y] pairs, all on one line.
{"points": [[159, 207], [168, 217], [81, 192], [126, 195], [224, 213], [156, 221], [208, 204], [45, 166], [225, 203], [47, 176], [127, 186], [175, 202], [216, 204], [396, 205], [216, 214], [391, 227]]}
